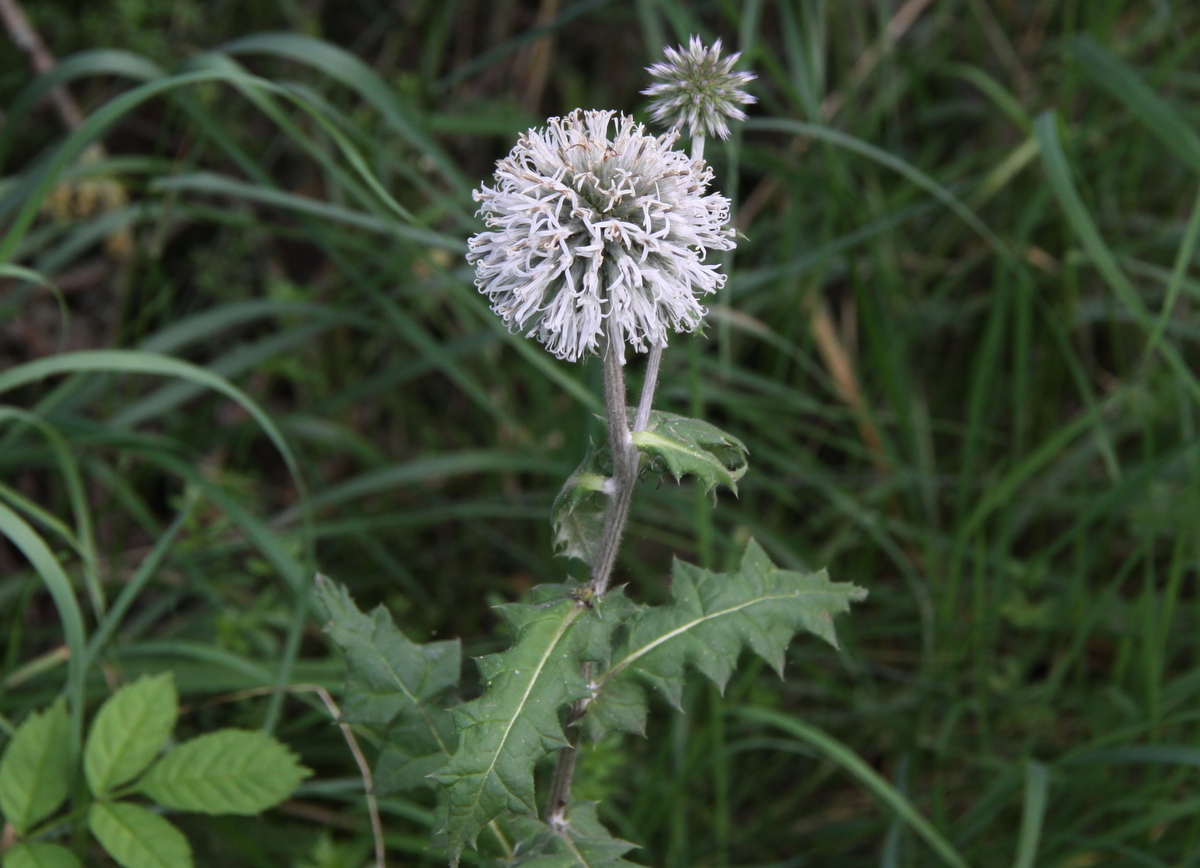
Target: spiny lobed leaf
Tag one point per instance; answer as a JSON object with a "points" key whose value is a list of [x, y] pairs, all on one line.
{"points": [[35, 772], [710, 619], [578, 512], [581, 842], [230, 771], [516, 722], [397, 687], [691, 446], [131, 727]]}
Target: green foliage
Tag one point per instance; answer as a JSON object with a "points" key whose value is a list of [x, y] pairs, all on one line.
{"points": [[225, 772], [398, 688], [35, 771], [138, 838], [579, 841], [578, 512], [973, 420], [130, 730], [516, 722], [692, 447], [40, 856], [710, 619]]}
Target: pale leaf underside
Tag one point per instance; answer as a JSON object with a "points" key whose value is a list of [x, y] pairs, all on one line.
{"points": [[683, 447], [578, 512]]}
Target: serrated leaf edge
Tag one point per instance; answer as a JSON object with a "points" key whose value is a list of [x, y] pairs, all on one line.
{"points": [[616, 669], [391, 670], [537, 674]]}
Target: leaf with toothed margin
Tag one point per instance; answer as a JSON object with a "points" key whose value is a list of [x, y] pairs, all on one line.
{"points": [[503, 734], [683, 446], [36, 768], [397, 688], [579, 842], [578, 512], [711, 618]]}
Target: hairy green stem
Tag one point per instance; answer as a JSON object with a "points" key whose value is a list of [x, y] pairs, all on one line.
{"points": [[624, 461]]}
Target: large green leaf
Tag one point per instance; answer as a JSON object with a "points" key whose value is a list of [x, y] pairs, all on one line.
{"points": [[579, 842], [578, 512], [397, 687], [40, 856], [684, 446], [129, 731], [231, 771], [35, 773], [516, 722], [137, 838], [710, 619]]}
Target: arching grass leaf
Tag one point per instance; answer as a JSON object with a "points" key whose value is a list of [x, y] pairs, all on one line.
{"points": [[35, 772], [40, 856], [231, 771], [516, 722], [710, 619], [683, 446], [397, 687], [130, 729], [137, 838]]}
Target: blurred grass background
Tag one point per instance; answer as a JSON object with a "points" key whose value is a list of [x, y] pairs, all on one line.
{"points": [[959, 337]]}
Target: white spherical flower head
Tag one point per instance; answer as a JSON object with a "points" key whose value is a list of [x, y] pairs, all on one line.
{"points": [[698, 88], [587, 232]]}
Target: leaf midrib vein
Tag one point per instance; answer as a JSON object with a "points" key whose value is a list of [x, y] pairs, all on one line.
{"points": [[631, 658], [512, 720], [413, 699]]}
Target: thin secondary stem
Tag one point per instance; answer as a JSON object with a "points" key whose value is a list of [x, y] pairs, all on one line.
{"points": [[647, 400], [360, 760], [364, 769]]}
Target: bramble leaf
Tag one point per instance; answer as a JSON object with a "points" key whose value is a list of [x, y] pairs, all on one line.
{"points": [[40, 856], [137, 838], [684, 446], [230, 771], [396, 686], [578, 512], [130, 729], [581, 842], [35, 772], [516, 722], [710, 619]]}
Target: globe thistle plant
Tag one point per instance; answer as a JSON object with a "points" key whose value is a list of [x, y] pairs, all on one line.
{"points": [[597, 234], [698, 88]]}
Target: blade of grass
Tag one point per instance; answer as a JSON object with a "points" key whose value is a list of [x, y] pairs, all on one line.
{"points": [[879, 786]]}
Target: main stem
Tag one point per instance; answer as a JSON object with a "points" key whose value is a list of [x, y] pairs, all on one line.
{"points": [[625, 460]]}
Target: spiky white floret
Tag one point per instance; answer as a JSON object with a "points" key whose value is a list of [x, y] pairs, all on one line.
{"points": [[699, 89], [583, 227]]}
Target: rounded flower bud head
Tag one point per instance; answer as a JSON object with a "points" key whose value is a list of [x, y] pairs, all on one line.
{"points": [[699, 89], [595, 225]]}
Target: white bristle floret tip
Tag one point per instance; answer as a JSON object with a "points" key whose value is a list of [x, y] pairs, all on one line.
{"points": [[699, 89], [583, 227]]}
